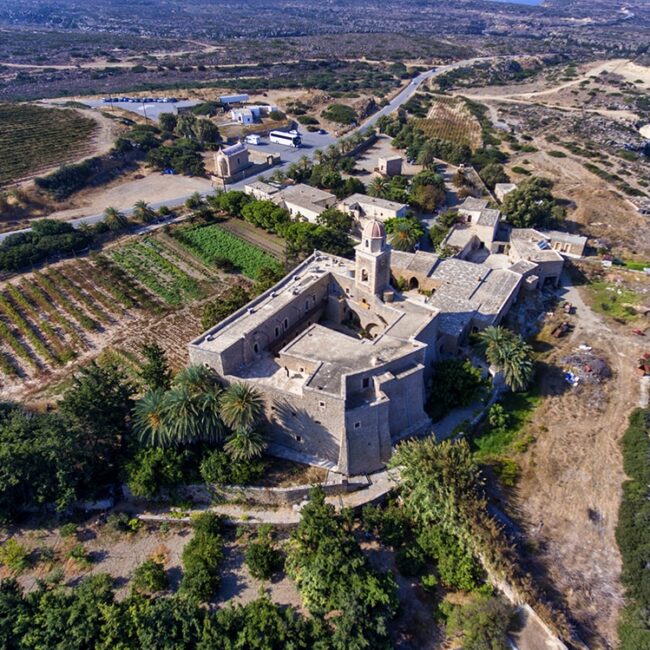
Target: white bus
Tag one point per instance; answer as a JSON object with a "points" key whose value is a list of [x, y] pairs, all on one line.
{"points": [[287, 138]]}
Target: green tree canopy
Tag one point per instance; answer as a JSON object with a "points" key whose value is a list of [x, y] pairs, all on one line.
{"points": [[531, 204]]}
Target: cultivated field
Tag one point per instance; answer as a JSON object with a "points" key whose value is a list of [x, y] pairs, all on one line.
{"points": [[33, 138], [216, 246], [150, 288], [450, 119]]}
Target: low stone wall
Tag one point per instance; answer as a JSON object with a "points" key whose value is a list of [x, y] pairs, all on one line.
{"points": [[280, 496], [368, 142]]}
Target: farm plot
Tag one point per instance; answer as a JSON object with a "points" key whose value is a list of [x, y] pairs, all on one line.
{"points": [[33, 138], [63, 313], [149, 262], [217, 247], [449, 119]]}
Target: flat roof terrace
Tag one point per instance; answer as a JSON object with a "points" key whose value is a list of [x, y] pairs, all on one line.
{"points": [[257, 312], [340, 354]]}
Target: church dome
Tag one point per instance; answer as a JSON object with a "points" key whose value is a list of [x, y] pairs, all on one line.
{"points": [[374, 230]]}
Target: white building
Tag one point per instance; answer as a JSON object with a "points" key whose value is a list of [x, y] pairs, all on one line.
{"points": [[366, 208], [501, 189], [305, 201], [242, 115]]}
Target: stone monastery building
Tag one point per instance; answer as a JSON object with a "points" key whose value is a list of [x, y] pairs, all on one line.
{"points": [[342, 358]]}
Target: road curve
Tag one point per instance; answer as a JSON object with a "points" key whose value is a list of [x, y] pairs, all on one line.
{"points": [[313, 142]]}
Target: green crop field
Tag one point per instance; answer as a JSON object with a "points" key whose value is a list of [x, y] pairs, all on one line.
{"points": [[33, 138], [214, 245]]}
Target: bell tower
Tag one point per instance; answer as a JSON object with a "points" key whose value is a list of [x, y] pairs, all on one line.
{"points": [[372, 261]]}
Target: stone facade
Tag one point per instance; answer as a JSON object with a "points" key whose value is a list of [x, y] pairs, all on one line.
{"points": [[342, 358]]}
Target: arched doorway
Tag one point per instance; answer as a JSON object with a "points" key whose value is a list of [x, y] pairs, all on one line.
{"points": [[413, 283], [372, 330]]}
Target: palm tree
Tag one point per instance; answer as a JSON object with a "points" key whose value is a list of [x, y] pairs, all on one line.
{"points": [[405, 234], [241, 406], [114, 219], [192, 417], [149, 421], [517, 364], [143, 213], [378, 186], [510, 354], [493, 339], [245, 444], [197, 379]]}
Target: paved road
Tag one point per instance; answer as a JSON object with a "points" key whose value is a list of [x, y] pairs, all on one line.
{"points": [[312, 142]]}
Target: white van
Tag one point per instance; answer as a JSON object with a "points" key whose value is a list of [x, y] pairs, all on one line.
{"points": [[252, 139]]}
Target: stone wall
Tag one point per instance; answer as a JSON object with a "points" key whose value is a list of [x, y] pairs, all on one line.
{"points": [[276, 496]]}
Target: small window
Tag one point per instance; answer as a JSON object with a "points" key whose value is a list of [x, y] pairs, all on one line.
{"points": [[365, 382], [321, 404], [298, 439], [295, 415], [286, 323], [357, 425], [256, 348], [277, 332], [313, 300], [307, 305], [367, 243]]}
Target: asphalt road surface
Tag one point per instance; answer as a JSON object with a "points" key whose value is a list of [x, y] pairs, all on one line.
{"points": [[312, 142]]}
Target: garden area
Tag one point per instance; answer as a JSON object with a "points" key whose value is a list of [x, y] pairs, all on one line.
{"points": [[217, 247]]}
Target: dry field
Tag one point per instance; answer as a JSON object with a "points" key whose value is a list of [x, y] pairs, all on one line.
{"points": [[569, 491], [599, 210]]}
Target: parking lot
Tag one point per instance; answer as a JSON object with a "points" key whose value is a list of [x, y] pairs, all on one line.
{"points": [[150, 110]]}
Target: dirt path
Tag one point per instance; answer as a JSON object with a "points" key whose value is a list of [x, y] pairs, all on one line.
{"points": [[153, 188], [569, 492]]}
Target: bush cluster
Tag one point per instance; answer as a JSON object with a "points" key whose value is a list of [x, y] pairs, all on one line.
{"points": [[633, 533]]}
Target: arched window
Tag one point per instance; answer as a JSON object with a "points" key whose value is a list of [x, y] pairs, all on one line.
{"points": [[256, 348], [286, 323], [364, 275]]}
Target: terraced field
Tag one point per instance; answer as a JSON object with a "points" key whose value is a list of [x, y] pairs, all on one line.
{"points": [[156, 266], [33, 138], [60, 314], [449, 119], [105, 307]]}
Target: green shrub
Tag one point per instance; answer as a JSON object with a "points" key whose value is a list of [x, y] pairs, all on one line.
{"points": [[390, 523], [68, 530], [633, 532], [483, 624], [202, 557], [14, 556], [149, 578], [457, 383], [118, 522], [457, 567], [262, 558], [218, 468], [410, 561], [340, 114], [153, 470], [80, 555]]}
